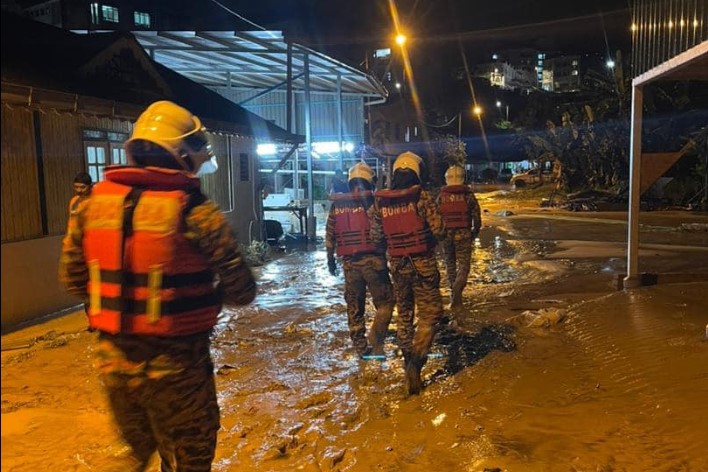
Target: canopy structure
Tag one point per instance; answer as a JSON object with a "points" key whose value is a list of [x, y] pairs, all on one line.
{"points": [[262, 62], [253, 59], [677, 52]]}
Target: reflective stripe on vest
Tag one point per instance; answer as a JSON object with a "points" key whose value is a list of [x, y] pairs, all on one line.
{"points": [[161, 285], [407, 232], [351, 224], [453, 206]]}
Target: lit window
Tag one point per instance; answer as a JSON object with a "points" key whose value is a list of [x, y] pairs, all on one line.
{"points": [[109, 13], [141, 19], [95, 17], [118, 156]]}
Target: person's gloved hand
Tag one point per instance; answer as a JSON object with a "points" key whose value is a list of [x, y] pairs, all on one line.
{"points": [[332, 264]]}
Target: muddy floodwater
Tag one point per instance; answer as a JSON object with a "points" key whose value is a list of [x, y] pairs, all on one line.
{"points": [[548, 367]]}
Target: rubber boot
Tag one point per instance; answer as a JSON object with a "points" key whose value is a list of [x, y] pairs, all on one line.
{"points": [[455, 299], [413, 365]]}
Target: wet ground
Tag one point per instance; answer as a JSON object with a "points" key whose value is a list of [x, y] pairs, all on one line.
{"points": [[547, 368]]}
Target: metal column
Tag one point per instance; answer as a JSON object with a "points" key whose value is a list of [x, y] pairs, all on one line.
{"points": [[289, 89], [308, 149], [340, 124], [633, 279]]}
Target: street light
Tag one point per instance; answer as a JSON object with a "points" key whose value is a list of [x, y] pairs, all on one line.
{"points": [[610, 64], [401, 39], [477, 110]]}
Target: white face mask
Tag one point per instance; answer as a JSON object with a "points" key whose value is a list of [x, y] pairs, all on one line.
{"points": [[208, 159], [208, 167]]}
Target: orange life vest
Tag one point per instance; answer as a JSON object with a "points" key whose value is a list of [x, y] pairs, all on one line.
{"points": [[144, 276], [352, 225], [407, 233], [453, 206]]}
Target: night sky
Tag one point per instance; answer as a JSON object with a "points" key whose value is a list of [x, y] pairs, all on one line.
{"points": [[349, 28]]}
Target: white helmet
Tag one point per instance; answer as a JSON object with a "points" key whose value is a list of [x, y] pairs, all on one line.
{"points": [[361, 170], [455, 175], [408, 160], [177, 131]]}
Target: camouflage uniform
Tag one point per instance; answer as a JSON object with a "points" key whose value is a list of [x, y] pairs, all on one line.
{"points": [[416, 282], [360, 272], [161, 389], [457, 250]]}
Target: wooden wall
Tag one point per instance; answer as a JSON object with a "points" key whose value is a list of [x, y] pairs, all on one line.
{"points": [[63, 155], [21, 217], [219, 186]]}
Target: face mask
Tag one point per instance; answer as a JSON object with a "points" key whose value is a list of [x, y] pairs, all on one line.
{"points": [[208, 167], [208, 159]]}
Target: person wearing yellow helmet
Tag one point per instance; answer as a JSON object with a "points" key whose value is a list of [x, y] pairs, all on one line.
{"points": [[143, 252], [169, 136], [407, 218], [462, 217], [364, 262]]}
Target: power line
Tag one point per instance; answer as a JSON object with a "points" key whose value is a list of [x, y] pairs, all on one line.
{"points": [[246, 20]]}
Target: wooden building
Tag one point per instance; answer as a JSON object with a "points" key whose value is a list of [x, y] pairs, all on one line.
{"points": [[68, 104]]}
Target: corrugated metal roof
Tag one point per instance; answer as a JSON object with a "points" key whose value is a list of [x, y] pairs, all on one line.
{"points": [[111, 66], [252, 59]]}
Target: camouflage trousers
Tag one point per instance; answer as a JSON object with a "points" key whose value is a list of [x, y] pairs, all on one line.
{"points": [[360, 273], [457, 250], [163, 397], [416, 281]]}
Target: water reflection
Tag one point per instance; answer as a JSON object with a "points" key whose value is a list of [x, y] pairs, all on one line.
{"points": [[462, 349]]}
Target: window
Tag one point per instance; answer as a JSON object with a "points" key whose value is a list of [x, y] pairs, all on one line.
{"points": [[103, 148], [243, 167], [109, 13], [141, 19], [95, 160], [95, 17], [118, 157]]}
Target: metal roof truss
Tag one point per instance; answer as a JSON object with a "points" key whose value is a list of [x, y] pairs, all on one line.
{"points": [[252, 59]]}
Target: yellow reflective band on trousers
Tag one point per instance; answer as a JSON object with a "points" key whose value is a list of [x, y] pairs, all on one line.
{"points": [[155, 293], [94, 269]]}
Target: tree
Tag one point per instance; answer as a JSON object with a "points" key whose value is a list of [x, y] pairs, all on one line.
{"points": [[447, 150]]}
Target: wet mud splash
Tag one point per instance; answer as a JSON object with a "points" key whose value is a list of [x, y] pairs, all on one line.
{"points": [[619, 385]]}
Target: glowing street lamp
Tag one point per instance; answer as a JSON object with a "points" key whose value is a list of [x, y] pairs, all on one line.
{"points": [[477, 110], [401, 39], [610, 64]]}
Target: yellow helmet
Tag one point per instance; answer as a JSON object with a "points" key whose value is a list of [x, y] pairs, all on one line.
{"points": [[361, 170], [408, 160], [455, 175], [177, 131]]}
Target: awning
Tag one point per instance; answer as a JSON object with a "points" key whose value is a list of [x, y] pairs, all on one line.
{"points": [[252, 59]]}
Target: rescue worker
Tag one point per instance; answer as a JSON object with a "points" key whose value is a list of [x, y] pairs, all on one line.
{"points": [[364, 262], [461, 214], [407, 217], [144, 252]]}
